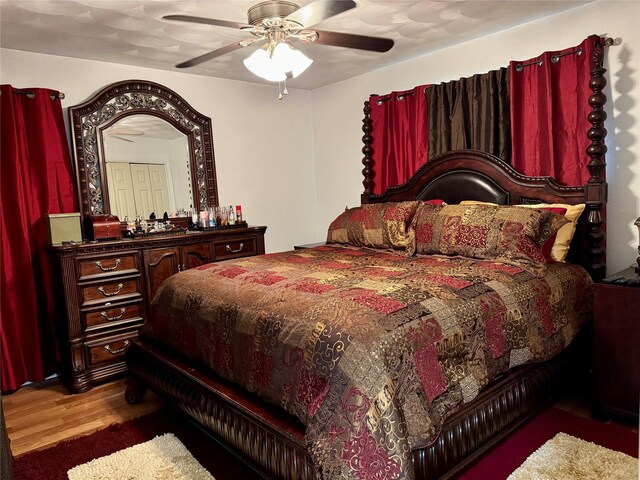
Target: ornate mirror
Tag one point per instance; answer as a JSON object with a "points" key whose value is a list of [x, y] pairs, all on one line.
{"points": [[141, 148]]}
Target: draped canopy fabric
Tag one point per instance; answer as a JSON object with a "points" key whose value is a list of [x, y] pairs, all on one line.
{"points": [[401, 143], [549, 113], [36, 180], [534, 117], [471, 113]]}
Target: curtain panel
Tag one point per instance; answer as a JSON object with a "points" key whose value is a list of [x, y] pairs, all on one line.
{"points": [[410, 127], [471, 113], [36, 180], [400, 144], [533, 114], [549, 113]]}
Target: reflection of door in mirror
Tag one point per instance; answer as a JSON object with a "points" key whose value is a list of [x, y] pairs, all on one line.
{"points": [[138, 189], [147, 167]]}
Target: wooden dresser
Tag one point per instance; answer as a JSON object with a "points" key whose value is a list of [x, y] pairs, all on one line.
{"points": [[104, 288]]}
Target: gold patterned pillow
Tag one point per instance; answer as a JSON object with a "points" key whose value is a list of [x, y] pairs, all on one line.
{"points": [[504, 233], [378, 225]]}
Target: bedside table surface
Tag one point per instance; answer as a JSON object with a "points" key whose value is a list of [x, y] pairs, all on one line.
{"points": [[629, 278]]}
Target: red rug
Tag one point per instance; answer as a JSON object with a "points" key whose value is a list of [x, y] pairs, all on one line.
{"points": [[505, 457], [53, 463]]}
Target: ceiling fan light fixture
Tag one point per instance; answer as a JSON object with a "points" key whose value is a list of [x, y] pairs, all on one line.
{"points": [[289, 59], [273, 63], [260, 63]]}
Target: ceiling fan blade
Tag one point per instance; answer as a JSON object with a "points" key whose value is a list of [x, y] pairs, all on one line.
{"points": [[350, 40], [320, 10], [205, 21], [124, 131], [208, 56], [122, 138]]}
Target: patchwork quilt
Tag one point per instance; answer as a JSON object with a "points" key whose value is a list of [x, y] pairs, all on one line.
{"points": [[370, 349]]}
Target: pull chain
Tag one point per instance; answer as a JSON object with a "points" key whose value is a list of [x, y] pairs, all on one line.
{"points": [[279, 90], [286, 92]]}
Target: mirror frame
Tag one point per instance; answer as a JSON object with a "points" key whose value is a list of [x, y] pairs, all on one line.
{"points": [[131, 97]]}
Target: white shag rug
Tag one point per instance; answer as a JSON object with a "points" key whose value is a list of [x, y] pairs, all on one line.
{"points": [[569, 458], [163, 458]]}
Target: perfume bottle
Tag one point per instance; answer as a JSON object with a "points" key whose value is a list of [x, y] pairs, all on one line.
{"points": [[218, 216], [212, 218], [232, 216], [238, 214], [225, 216]]}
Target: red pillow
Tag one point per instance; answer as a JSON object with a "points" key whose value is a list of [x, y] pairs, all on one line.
{"points": [[548, 245], [435, 202]]}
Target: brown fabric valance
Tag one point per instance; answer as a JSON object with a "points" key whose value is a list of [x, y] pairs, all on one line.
{"points": [[471, 113]]}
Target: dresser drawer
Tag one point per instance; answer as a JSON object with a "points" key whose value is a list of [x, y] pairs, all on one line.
{"points": [[104, 266], [108, 349], [111, 315], [113, 291], [238, 247]]}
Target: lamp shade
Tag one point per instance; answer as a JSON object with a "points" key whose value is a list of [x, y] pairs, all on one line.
{"points": [[289, 59], [274, 66], [260, 63]]}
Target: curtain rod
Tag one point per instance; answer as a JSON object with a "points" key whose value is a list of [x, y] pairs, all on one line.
{"points": [[30, 94], [401, 95], [556, 58], [608, 41]]}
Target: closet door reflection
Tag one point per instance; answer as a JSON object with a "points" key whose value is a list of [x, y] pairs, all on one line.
{"points": [[139, 189], [147, 167]]}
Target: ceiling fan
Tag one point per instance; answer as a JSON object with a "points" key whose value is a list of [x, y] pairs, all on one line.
{"points": [[276, 23], [121, 133]]}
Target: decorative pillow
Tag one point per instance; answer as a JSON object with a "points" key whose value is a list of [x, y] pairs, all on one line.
{"points": [[436, 201], [564, 235], [556, 220], [504, 233], [378, 225]]}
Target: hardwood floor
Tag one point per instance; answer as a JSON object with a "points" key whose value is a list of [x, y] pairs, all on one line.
{"points": [[42, 415], [39, 416]]}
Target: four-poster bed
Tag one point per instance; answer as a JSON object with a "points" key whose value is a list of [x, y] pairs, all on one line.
{"points": [[273, 441]]}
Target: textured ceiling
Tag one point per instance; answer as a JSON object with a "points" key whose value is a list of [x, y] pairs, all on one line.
{"points": [[133, 32]]}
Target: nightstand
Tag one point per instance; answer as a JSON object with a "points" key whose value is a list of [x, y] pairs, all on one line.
{"points": [[309, 245], [616, 346]]}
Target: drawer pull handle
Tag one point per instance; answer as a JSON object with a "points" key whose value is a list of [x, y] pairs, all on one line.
{"points": [[229, 249], [117, 317], [111, 294], [108, 269], [107, 347]]}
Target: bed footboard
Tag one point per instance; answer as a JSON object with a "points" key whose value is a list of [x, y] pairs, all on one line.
{"points": [[265, 437], [272, 442]]}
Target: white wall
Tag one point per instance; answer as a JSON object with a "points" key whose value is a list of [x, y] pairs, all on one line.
{"points": [[337, 109], [263, 148]]}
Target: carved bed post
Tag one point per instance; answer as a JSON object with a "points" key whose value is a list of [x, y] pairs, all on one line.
{"points": [[596, 188], [367, 160]]}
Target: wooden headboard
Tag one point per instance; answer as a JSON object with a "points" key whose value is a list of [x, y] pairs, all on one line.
{"points": [[471, 175]]}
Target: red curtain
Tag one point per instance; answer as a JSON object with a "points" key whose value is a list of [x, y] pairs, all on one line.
{"points": [[36, 180], [549, 109], [400, 136]]}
